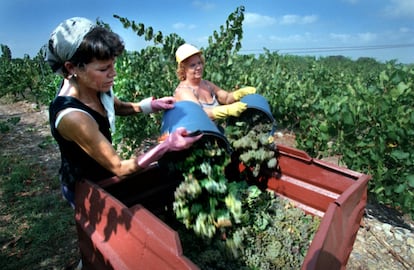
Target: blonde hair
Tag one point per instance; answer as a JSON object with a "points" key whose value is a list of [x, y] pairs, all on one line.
{"points": [[182, 65]]}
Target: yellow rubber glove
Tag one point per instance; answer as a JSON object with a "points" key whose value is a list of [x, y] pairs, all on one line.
{"points": [[234, 109], [238, 94]]}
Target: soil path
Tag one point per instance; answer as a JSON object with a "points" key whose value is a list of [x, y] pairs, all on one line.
{"points": [[30, 136], [384, 241]]}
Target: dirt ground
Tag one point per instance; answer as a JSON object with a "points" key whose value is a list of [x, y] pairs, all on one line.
{"points": [[384, 241], [30, 134]]}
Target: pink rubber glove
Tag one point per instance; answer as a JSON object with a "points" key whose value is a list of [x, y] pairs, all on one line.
{"points": [[151, 105], [164, 103], [176, 141]]}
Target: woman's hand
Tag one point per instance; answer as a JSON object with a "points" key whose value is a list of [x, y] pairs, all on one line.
{"points": [[234, 109], [176, 141], [238, 94], [164, 103], [151, 105], [179, 139]]}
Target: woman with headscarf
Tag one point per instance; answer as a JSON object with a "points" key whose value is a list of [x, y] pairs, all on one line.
{"points": [[83, 112]]}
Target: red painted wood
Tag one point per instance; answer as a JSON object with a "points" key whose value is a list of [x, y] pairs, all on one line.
{"points": [[112, 236], [117, 229]]}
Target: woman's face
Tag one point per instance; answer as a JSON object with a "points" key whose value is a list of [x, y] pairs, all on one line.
{"points": [[194, 67], [98, 75]]}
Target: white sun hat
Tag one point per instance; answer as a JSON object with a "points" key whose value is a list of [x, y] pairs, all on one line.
{"points": [[184, 51]]}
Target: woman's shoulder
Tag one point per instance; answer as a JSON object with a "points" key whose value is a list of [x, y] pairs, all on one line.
{"points": [[65, 101], [183, 88], [184, 92], [60, 103], [183, 85], [210, 85]]}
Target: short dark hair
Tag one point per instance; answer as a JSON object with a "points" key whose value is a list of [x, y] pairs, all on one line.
{"points": [[101, 44]]}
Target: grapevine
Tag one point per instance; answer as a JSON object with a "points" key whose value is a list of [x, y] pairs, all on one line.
{"points": [[335, 106], [229, 222]]}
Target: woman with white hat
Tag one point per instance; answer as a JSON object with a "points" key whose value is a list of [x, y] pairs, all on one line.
{"points": [[83, 112], [216, 102]]}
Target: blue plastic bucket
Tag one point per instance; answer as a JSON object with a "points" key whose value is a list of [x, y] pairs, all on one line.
{"points": [[191, 116], [258, 102]]}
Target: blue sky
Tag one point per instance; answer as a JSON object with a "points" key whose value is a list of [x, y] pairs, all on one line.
{"points": [[382, 29]]}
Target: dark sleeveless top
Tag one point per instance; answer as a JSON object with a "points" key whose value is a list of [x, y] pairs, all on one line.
{"points": [[76, 164]]}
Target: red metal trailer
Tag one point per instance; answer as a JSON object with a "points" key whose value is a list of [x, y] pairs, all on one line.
{"points": [[119, 230]]}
